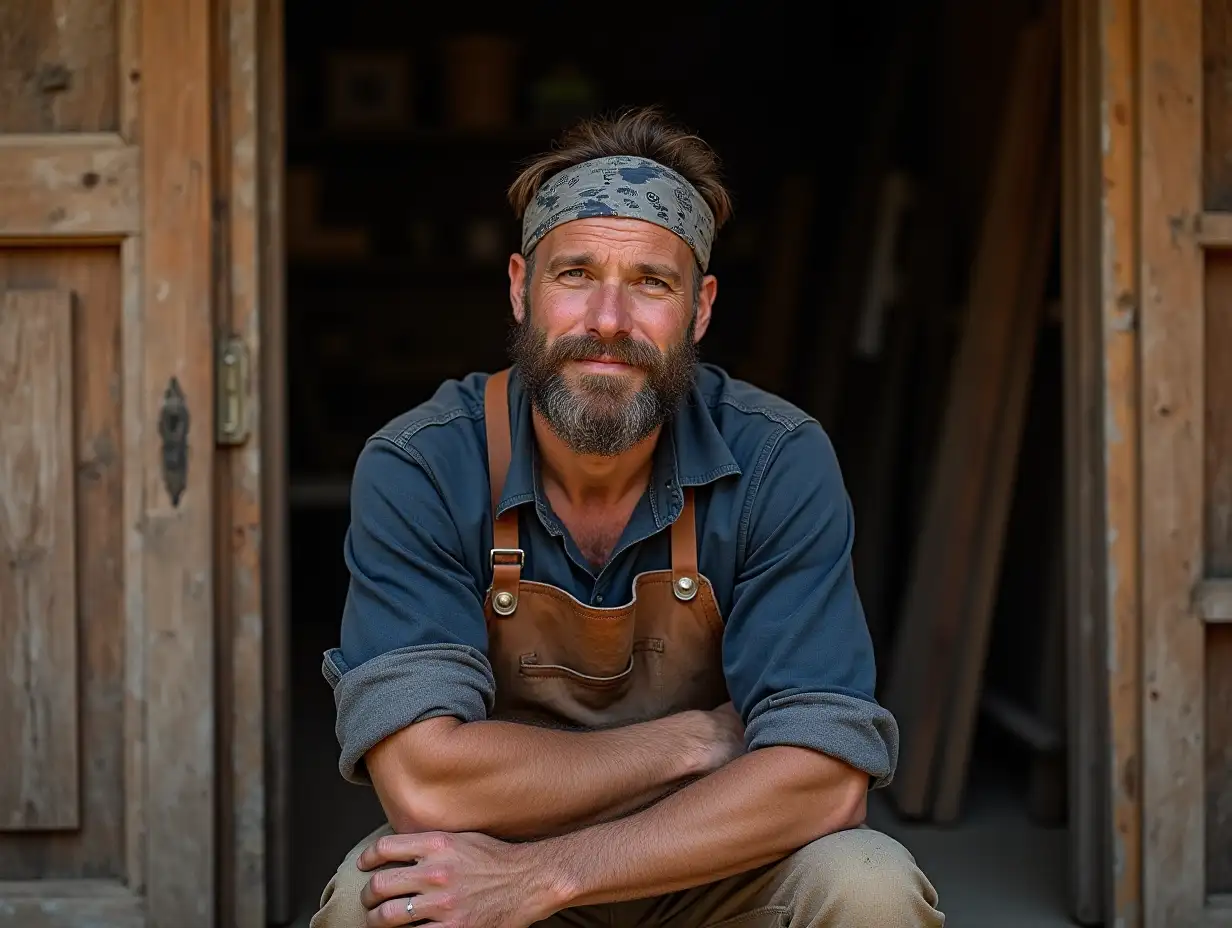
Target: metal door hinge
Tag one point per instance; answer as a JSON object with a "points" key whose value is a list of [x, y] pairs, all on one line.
{"points": [[231, 376]]}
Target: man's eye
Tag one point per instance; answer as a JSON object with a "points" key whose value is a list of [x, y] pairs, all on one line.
{"points": [[574, 272], [654, 282]]}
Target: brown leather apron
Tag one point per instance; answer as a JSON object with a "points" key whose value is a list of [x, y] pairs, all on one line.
{"points": [[558, 661]]}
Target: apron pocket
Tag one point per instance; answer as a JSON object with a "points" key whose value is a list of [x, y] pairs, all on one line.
{"points": [[530, 665]]}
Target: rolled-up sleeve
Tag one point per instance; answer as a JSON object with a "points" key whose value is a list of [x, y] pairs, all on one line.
{"points": [[796, 649], [413, 634]]}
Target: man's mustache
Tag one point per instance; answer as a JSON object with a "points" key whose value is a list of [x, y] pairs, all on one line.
{"points": [[590, 348]]}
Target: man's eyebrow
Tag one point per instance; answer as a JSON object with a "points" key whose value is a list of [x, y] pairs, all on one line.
{"points": [[560, 262], [667, 273]]}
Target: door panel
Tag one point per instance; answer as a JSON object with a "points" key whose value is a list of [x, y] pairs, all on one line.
{"points": [[38, 639], [81, 286], [59, 66], [107, 479]]}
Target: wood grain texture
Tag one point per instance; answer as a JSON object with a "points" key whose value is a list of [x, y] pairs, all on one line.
{"points": [[1119, 427], [241, 784], [58, 66], [1172, 422], [1214, 231], [95, 848], [1084, 535], [38, 571], [132, 498], [177, 540], [929, 633], [1213, 600], [81, 187]]}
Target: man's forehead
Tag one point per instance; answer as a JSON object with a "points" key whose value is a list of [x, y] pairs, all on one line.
{"points": [[614, 239]]}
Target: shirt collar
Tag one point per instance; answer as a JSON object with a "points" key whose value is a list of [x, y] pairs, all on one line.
{"points": [[691, 452]]}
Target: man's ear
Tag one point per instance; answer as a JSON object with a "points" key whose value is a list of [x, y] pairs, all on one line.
{"points": [[707, 292], [518, 270]]}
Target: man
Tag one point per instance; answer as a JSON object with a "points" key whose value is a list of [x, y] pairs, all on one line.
{"points": [[602, 655]]}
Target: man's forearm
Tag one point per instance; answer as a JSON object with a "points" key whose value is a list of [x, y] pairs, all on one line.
{"points": [[754, 811], [522, 782]]}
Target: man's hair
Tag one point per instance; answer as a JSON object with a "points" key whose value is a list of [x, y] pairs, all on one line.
{"points": [[644, 132]]}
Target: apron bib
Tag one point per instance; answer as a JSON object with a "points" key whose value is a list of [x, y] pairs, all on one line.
{"points": [[560, 662]]}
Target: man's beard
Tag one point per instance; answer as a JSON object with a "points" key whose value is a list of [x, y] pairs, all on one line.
{"points": [[602, 414]]}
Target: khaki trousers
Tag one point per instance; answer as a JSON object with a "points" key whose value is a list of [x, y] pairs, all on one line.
{"points": [[858, 878]]}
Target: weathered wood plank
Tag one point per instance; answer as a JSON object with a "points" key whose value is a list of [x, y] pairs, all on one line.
{"points": [[1214, 230], [79, 187], [1082, 345], [176, 459], [132, 393], [58, 66], [241, 704], [1213, 601], [1172, 421], [70, 904], [1120, 428], [38, 576], [91, 275]]}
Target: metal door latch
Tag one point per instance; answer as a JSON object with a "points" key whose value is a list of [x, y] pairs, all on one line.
{"points": [[232, 382]]}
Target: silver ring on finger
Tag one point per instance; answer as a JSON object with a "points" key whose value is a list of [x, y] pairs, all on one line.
{"points": [[410, 907]]}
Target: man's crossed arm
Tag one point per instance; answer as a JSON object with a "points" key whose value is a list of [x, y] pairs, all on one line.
{"points": [[521, 782]]}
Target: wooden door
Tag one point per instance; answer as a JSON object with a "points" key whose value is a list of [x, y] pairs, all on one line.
{"points": [[1150, 196], [107, 465]]}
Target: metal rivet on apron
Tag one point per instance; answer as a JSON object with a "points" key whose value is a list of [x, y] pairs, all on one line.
{"points": [[504, 602], [686, 588]]}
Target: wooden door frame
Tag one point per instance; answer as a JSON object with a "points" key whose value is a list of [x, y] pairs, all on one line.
{"points": [[254, 719], [1135, 235]]}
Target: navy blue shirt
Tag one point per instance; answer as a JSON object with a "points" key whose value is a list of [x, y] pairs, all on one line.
{"points": [[774, 528]]}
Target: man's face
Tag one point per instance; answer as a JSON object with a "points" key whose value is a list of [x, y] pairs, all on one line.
{"points": [[608, 316]]}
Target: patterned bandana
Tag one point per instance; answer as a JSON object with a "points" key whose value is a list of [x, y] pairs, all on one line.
{"points": [[622, 185]]}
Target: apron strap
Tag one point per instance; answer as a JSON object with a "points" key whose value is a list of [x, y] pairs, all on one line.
{"points": [[506, 557], [684, 551]]}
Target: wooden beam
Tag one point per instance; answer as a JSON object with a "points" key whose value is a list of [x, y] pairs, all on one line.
{"points": [[1119, 428], [1172, 422], [930, 635], [1213, 600], [238, 163], [1086, 590], [1214, 230], [68, 188], [177, 462]]}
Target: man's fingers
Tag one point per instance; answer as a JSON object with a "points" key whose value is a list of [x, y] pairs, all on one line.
{"points": [[426, 913], [395, 882], [402, 849]]}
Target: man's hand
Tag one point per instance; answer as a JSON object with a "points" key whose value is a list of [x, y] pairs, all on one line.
{"points": [[468, 880], [722, 737]]}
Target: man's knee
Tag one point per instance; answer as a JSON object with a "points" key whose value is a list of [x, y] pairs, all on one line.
{"points": [[860, 877], [340, 905]]}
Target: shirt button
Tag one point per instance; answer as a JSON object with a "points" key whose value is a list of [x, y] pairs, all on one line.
{"points": [[599, 600]]}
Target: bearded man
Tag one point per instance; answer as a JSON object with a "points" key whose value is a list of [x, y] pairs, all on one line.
{"points": [[602, 656]]}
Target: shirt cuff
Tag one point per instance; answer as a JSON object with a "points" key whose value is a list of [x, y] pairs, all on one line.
{"points": [[854, 730], [399, 688]]}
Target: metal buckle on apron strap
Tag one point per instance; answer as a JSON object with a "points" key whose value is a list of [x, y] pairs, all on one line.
{"points": [[505, 601]]}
